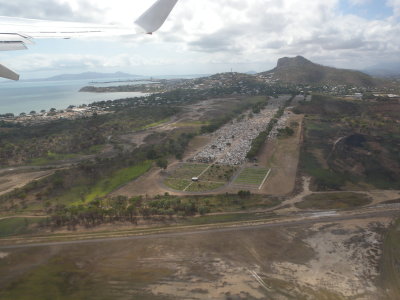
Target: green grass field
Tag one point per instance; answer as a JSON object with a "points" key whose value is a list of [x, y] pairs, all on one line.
{"points": [[344, 200], [214, 176], [176, 183], [187, 171], [54, 157], [108, 185], [154, 124], [51, 158], [251, 176], [204, 186], [219, 173], [16, 226]]}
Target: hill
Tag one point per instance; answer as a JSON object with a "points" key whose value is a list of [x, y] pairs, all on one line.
{"points": [[299, 70]]}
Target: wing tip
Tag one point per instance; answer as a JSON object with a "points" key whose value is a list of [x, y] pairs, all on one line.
{"points": [[153, 18], [8, 74]]}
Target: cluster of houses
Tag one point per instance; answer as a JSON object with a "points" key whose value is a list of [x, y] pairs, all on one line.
{"points": [[43, 117], [231, 143], [282, 123]]}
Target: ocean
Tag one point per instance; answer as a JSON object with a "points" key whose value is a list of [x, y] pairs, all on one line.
{"points": [[25, 96]]}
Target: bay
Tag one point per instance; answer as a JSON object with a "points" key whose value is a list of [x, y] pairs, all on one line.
{"points": [[25, 96]]}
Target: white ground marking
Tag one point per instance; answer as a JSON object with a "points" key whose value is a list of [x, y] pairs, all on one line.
{"points": [[259, 280], [265, 179], [190, 184]]}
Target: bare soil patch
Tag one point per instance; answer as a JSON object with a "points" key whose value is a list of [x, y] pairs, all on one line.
{"points": [[322, 261], [282, 156], [12, 181]]}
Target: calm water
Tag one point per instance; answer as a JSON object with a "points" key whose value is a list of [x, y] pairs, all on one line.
{"points": [[17, 97]]}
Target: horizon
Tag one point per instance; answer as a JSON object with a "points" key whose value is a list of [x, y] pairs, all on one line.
{"points": [[373, 71], [355, 34]]}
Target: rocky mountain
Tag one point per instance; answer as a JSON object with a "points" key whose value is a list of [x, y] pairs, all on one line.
{"points": [[299, 70]]}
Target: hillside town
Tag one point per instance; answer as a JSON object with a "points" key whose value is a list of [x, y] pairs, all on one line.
{"points": [[177, 91], [257, 84]]}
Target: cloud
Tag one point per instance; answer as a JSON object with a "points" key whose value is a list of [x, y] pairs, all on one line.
{"points": [[263, 28], [359, 2], [227, 31], [53, 62], [47, 9], [395, 4]]}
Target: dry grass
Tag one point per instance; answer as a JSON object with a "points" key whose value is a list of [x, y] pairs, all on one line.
{"points": [[282, 156], [337, 200]]}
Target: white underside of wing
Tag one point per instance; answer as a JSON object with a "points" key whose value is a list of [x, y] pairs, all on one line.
{"points": [[54, 29], [17, 33], [7, 73]]}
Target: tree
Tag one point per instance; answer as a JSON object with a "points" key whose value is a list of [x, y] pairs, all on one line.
{"points": [[244, 194], [152, 154], [368, 96], [162, 163]]}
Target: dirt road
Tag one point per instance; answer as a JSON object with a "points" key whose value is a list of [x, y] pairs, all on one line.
{"points": [[290, 221]]}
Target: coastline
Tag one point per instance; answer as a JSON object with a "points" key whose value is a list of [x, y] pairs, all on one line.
{"points": [[25, 97]]}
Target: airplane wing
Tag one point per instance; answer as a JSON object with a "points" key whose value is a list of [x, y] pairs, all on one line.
{"points": [[18, 33]]}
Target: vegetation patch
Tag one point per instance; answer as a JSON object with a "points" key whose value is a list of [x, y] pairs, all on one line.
{"points": [[16, 226], [251, 176], [350, 143], [219, 173], [324, 179], [86, 193], [230, 217], [210, 177], [119, 178], [177, 183], [51, 158], [341, 200], [395, 201], [63, 139], [155, 124], [204, 186]]}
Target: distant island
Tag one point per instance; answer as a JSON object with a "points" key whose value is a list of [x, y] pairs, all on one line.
{"points": [[144, 88], [91, 75]]}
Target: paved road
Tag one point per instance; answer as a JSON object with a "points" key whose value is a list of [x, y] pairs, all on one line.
{"points": [[299, 221]]}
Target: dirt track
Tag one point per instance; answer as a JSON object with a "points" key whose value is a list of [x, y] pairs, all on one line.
{"points": [[13, 181], [289, 221]]}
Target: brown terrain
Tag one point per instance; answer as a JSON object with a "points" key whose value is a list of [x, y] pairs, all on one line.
{"points": [[11, 181], [285, 252], [319, 260], [282, 156]]}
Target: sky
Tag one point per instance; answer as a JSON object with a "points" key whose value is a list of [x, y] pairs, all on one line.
{"points": [[209, 36]]}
